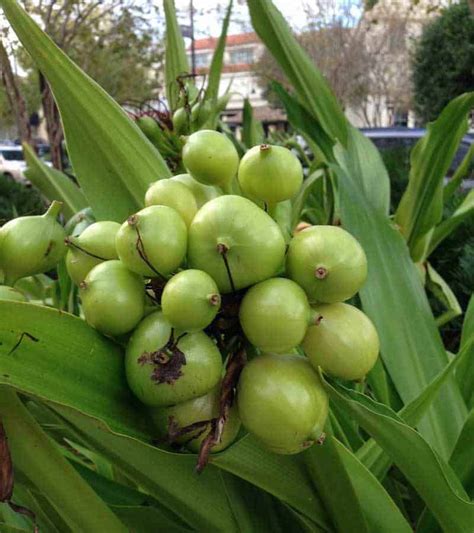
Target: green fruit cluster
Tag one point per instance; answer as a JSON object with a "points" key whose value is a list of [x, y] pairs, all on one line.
{"points": [[201, 274]]}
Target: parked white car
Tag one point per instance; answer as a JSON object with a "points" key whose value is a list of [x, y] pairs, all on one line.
{"points": [[12, 161]]}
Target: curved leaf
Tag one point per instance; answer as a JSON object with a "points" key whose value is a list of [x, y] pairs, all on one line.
{"points": [[56, 356], [112, 159]]}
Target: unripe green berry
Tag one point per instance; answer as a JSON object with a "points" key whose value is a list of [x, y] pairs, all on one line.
{"points": [[342, 341], [9, 293], [173, 420], [153, 241], [274, 315], [165, 368], [180, 120], [190, 300], [175, 195], [94, 245], [328, 262], [210, 158], [202, 193], [269, 173], [31, 245], [282, 402], [113, 298]]}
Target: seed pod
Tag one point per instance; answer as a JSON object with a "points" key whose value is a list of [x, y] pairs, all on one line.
{"points": [[235, 242], [342, 341], [188, 423], [94, 245], [274, 315], [282, 402], [180, 120], [210, 158], [153, 241], [175, 195], [190, 300], [113, 298], [165, 368], [9, 293], [31, 245], [202, 193], [269, 173], [327, 262]]}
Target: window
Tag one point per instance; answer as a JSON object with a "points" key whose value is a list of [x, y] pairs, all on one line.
{"points": [[202, 60], [12, 155], [243, 56]]}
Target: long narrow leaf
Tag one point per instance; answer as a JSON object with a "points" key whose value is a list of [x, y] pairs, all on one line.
{"points": [[55, 356], [421, 206], [112, 159], [176, 61], [252, 130], [394, 298], [461, 172], [465, 372], [431, 477], [312, 89], [54, 184]]}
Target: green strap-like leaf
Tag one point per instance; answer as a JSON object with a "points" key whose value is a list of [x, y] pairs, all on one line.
{"points": [[443, 230], [311, 88], [461, 173], [252, 130], [431, 477], [444, 294], [421, 206], [465, 372], [112, 159], [394, 298], [212, 90], [176, 61], [34, 453], [54, 184], [55, 356]]}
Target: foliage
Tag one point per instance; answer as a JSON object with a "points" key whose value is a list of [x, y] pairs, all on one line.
{"points": [[397, 451], [18, 199], [447, 41]]}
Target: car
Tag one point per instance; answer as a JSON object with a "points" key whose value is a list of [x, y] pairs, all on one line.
{"points": [[399, 138], [12, 161]]}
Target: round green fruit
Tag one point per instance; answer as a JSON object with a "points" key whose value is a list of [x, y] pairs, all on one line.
{"points": [[328, 262], [343, 341], [202, 193], [175, 195], [94, 245], [9, 293], [113, 298], [153, 241], [210, 158], [235, 242], [165, 368], [190, 300], [172, 422], [269, 173], [31, 245], [180, 120], [275, 315], [282, 402]]}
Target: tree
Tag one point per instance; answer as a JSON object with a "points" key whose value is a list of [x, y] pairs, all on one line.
{"points": [[443, 60]]}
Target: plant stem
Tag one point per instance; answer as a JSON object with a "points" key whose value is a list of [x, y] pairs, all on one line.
{"points": [[54, 209]]}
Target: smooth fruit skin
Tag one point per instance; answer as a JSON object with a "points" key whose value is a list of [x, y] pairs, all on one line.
{"points": [[254, 243], [175, 195], [202, 193], [343, 341], [190, 300], [94, 245], [198, 376], [9, 293], [113, 298], [31, 245], [160, 233], [275, 314], [328, 262], [270, 173], [282, 402], [210, 158], [197, 410]]}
